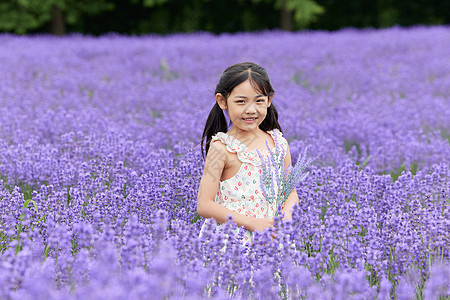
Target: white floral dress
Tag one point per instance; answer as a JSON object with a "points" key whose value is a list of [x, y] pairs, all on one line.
{"points": [[242, 192]]}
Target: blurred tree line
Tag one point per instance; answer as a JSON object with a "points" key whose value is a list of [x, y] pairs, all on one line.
{"points": [[167, 16]]}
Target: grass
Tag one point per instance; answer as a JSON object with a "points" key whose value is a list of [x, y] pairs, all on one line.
{"points": [[399, 171]]}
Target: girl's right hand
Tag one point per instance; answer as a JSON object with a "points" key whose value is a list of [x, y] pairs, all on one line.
{"points": [[260, 224]]}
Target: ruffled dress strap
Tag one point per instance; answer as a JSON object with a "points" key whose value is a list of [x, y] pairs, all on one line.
{"points": [[232, 144], [276, 133]]}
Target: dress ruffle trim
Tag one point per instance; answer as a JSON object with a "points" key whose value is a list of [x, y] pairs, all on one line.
{"points": [[233, 145]]}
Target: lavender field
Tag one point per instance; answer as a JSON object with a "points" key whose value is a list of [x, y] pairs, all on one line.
{"points": [[99, 173]]}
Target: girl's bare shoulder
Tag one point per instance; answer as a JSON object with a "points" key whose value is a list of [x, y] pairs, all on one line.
{"points": [[217, 153]]}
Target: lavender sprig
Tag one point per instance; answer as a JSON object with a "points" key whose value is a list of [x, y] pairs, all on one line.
{"points": [[274, 174]]}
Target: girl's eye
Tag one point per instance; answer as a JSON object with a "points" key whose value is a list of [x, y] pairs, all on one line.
{"points": [[242, 101]]}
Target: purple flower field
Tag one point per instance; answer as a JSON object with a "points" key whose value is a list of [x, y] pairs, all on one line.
{"points": [[99, 175]]}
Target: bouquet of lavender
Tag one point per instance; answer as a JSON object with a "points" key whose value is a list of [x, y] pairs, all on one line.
{"points": [[275, 174]]}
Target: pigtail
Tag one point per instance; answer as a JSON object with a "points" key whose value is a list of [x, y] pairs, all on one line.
{"points": [[216, 122]]}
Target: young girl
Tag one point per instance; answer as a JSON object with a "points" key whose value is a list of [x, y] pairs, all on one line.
{"points": [[230, 184]]}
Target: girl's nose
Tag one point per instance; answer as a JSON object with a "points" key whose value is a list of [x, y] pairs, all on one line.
{"points": [[250, 109]]}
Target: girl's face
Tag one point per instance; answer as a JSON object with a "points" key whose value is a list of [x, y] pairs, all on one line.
{"points": [[246, 107]]}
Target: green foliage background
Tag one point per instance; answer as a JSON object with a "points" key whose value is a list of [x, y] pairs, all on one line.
{"points": [[168, 16], [23, 16]]}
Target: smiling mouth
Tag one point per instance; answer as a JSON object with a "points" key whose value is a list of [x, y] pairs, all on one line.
{"points": [[249, 120]]}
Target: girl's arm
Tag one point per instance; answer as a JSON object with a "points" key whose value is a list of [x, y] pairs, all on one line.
{"points": [[216, 160], [293, 197]]}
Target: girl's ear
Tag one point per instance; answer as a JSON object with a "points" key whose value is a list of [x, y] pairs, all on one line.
{"points": [[270, 101], [221, 101]]}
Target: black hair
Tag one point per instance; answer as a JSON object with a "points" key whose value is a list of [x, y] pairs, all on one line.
{"points": [[232, 77]]}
